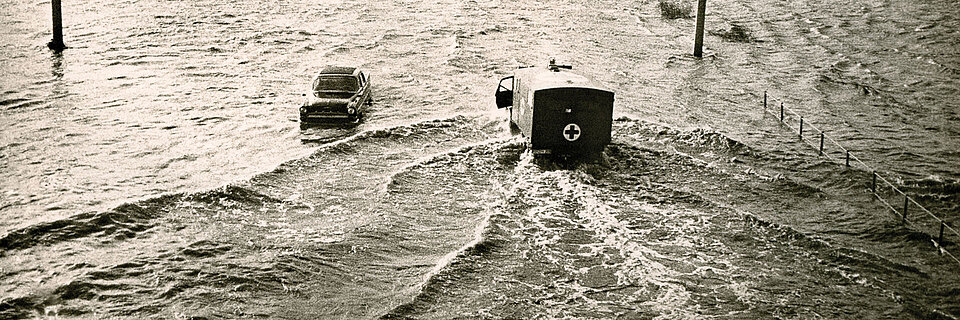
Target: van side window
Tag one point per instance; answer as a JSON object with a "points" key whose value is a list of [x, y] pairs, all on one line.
{"points": [[506, 84]]}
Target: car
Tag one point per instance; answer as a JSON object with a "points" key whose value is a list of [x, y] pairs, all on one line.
{"points": [[338, 93]]}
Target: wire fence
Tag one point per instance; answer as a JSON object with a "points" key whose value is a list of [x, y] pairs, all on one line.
{"points": [[911, 212]]}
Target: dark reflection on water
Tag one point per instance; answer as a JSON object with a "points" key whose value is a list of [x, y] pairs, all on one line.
{"points": [[59, 87], [313, 133], [57, 65], [320, 134]]}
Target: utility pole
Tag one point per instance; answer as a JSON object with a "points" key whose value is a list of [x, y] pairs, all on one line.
{"points": [[698, 41], [57, 43]]}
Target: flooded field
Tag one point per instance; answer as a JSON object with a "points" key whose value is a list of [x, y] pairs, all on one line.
{"points": [[156, 168]]}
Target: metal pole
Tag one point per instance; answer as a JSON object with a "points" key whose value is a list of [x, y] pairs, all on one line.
{"points": [[698, 40], [57, 43], [821, 142]]}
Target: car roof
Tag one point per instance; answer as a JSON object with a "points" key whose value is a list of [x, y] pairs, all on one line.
{"points": [[341, 70]]}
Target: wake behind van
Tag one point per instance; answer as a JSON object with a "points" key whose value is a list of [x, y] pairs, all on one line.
{"points": [[558, 110]]}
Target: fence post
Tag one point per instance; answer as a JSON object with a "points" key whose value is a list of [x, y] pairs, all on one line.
{"points": [[906, 202], [801, 128], [821, 142], [781, 112]]}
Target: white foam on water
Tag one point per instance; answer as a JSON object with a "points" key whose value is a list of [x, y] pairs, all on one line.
{"points": [[657, 267]]}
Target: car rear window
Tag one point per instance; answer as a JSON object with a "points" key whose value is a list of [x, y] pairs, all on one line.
{"points": [[344, 83]]}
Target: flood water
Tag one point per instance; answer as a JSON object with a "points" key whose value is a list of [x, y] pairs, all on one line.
{"points": [[157, 169]]}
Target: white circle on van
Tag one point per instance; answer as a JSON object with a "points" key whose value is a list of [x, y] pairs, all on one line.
{"points": [[571, 132]]}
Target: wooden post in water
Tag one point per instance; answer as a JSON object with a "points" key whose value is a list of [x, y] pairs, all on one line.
{"points": [[781, 112], [873, 186], [57, 43], [764, 100], [698, 40], [848, 159]]}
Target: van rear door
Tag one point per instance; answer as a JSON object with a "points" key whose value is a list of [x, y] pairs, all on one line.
{"points": [[572, 119]]}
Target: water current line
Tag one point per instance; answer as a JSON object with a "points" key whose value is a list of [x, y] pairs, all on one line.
{"points": [[785, 114]]}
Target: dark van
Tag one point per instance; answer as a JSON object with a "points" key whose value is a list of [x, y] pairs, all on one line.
{"points": [[558, 110]]}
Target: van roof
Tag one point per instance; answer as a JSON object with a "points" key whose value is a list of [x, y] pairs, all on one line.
{"points": [[539, 78]]}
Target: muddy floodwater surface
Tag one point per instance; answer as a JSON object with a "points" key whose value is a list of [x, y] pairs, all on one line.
{"points": [[157, 169]]}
